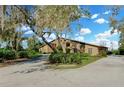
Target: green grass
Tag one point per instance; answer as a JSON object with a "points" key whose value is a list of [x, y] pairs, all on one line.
{"points": [[73, 66]]}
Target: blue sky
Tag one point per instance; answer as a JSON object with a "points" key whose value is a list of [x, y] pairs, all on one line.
{"points": [[93, 30]]}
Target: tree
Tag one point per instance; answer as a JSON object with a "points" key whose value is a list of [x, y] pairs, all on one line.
{"points": [[34, 43], [57, 19], [10, 19], [50, 18], [31, 42], [117, 24]]}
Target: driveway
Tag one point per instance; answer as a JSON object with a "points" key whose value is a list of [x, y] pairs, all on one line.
{"points": [[104, 72]]}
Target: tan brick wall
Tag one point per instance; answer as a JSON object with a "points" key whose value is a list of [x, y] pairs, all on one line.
{"points": [[45, 49], [95, 50]]}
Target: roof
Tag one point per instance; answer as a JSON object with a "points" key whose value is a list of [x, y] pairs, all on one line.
{"points": [[78, 42]]}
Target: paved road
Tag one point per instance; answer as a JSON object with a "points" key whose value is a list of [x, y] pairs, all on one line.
{"points": [[104, 72]]}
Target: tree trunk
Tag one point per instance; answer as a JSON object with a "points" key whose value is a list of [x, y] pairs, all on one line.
{"points": [[27, 18], [2, 20], [62, 46], [55, 50]]}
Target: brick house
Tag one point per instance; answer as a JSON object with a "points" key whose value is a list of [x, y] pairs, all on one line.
{"points": [[74, 46]]}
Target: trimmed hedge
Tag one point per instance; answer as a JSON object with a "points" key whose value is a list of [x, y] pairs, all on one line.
{"points": [[69, 58]]}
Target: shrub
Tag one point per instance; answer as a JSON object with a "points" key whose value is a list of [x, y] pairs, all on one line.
{"points": [[67, 50], [103, 53], [115, 52], [23, 54], [109, 53], [9, 54], [76, 58], [27, 54], [56, 57], [32, 53], [121, 51], [1, 53], [85, 54], [69, 58]]}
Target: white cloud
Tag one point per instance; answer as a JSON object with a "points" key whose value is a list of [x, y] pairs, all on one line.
{"points": [[104, 39], [77, 34], [107, 12], [25, 44], [29, 32], [25, 28], [85, 31], [101, 21], [106, 34], [94, 16], [79, 38], [100, 41], [50, 38], [106, 42]]}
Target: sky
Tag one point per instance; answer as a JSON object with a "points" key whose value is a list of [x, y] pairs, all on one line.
{"points": [[94, 30]]}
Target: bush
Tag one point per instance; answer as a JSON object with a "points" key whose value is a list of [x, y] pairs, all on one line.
{"points": [[121, 51], [103, 53], [9, 54], [85, 54], [69, 58], [23, 54], [109, 53], [115, 52], [32, 53], [1, 53], [27, 54]]}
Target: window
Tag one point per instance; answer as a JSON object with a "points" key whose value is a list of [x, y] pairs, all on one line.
{"points": [[90, 50], [67, 44]]}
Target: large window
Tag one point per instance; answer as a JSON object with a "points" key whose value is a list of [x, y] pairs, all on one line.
{"points": [[90, 50]]}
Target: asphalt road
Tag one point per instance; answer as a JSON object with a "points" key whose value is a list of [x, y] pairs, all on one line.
{"points": [[106, 72]]}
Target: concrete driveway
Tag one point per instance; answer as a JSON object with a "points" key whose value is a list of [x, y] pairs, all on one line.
{"points": [[102, 73]]}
